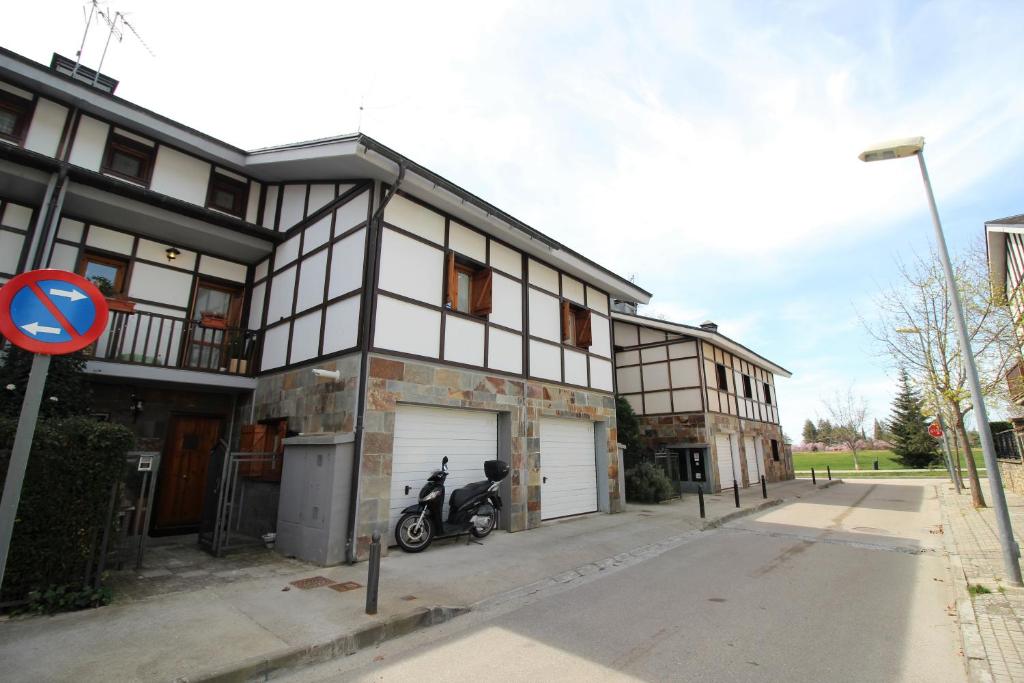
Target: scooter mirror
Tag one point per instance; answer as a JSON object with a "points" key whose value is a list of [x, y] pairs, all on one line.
{"points": [[444, 460]]}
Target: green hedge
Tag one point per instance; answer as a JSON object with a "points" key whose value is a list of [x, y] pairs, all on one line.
{"points": [[647, 483], [64, 501]]}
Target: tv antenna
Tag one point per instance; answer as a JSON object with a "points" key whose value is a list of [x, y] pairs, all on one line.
{"points": [[116, 22]]}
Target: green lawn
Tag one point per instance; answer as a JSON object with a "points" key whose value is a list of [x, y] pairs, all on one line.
{"points": [[843, 460]]}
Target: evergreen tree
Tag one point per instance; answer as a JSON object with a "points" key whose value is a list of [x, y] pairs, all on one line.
{"points": [[879, 433], [911, 443], [628, 428], [810, 432], [826, 432], [65, 393]]}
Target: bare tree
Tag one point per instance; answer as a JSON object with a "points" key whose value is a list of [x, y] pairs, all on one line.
{"points": [[914, 327], [847, 413]]}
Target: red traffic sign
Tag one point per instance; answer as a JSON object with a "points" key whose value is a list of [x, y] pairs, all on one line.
{"points": [[53, 312], [935, 430]]}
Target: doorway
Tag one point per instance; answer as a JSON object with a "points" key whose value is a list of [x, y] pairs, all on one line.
{"points": [[216, 312], [182, 481]]}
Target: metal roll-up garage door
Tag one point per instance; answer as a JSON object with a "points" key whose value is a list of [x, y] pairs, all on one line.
{"points": [[425, 435], [725, 461], [753, 464], [568, 467]]}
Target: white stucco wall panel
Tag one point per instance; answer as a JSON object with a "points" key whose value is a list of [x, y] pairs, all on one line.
{"points": [[507, 260], [17, 216], [649, 336], [111, 240], [575, 367], [401, 326], [282, 289], [544, 316], [311, 281], [164, 285], [597, 300], [625, 334], [627, 357], [686, 400], [636, 402], [657, 402], [181, 176], [252, 208], [70, 230], [256, 306], [305, 337], [270, 207], [411, 268], [10, 251], [463, 341], [543, 277], [685, 373], [287, 251], [572, 290], [317, 234], [682, 350], [654, 354], [655, 376], [505, 351], [628, 379], [341, 329], [320, 195], [275, 347], [506, 302], [226, 270], [89, 144], [415, 218], [545, 360], [347, 264], [64, 257], [600, 330], [467, 242], [155, 251], [601, 374], [351, 213], [46, 128], [293, 206]]}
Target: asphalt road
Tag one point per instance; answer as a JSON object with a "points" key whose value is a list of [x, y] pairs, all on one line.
{"points": [[849, 585]]}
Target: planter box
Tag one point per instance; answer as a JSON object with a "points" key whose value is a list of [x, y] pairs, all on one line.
{"points": [[119, 305]]}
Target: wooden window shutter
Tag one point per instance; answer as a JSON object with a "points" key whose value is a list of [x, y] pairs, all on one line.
{"points": [[584, 335], [565, 323], [481, 296], [451, 289]]}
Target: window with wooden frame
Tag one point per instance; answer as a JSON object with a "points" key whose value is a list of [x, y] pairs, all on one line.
{"points": [[576, 329], [722, 377], [15, 113], [748, 390], [128, 159], [106, 272], [775, 450], [467, 287], [767, 393], [227, 194]]}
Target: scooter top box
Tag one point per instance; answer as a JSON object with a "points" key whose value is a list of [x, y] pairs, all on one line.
{"points": [[495, 470]]}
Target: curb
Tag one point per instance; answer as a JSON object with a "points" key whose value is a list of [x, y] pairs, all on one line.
{"points": [[979, 670], [262, 667]]}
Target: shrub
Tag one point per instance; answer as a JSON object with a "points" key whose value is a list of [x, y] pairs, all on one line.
{"points": [[64, 501], [646, 483]]}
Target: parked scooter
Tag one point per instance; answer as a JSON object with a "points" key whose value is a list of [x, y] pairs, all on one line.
{"points": [[472, 509]]}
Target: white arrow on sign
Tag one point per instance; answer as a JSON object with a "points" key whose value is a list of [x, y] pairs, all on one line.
{"points": [[72, 294], [36, 328]]}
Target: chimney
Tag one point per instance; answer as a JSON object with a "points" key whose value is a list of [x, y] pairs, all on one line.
{"points": [[709, 326], [84, 74]]}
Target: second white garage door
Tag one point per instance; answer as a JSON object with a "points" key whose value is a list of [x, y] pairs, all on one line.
{"points": [[425, 435], [753, 463], [568, 468]]}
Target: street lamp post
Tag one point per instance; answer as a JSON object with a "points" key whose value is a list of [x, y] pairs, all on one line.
{"points": [[954, 471], [915, 147]]}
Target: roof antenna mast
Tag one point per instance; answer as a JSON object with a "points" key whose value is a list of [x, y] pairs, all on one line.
{"points": [[85, 34]]}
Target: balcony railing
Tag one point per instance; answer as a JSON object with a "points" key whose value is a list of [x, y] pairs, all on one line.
{"points": [[144, 338], [1015, 381]]}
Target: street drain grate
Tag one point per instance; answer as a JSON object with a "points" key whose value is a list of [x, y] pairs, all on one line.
{"points": [[312, 582], [345, 586]]}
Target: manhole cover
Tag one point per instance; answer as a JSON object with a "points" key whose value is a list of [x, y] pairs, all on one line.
{"points": [[870, 530], [345, 586], [312, 582], [716, 599]]}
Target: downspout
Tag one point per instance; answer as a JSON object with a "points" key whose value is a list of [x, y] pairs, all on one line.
{"points": [[374, 226], [44, 212], [51, 206], [43, 256]]}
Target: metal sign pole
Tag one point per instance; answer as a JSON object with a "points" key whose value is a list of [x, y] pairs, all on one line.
{"points": [[19, 454]]}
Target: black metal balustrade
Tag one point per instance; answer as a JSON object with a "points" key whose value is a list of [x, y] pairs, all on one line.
{"points": [[144, 338]]}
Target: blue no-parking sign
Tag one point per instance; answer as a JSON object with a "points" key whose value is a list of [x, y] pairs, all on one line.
{"points": [[53, 312]]}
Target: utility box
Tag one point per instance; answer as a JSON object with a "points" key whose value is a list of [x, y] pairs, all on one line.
{"points": [[312, 515]]}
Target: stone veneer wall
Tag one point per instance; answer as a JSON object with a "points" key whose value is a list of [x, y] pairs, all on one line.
{"points": [[1012, 472], [392, 381], [311, 404]]}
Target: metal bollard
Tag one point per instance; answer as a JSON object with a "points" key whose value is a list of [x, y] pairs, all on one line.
{"points": [[373, 574], [764, 487], [736, 492], [700, 499], [876, 464], [829, 468], [814, 480]]}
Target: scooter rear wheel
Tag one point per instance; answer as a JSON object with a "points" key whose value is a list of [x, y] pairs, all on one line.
{"points": [[486, 530], [411, 535]]}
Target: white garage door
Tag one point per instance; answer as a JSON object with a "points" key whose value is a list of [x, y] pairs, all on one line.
{"points": [[725, 461], [425, 435], [753, 464], [568, 468]]}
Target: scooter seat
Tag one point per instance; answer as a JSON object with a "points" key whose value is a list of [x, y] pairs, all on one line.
{"points": [[467, 492]]}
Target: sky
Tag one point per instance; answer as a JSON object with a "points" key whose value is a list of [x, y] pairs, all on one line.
{"points": [[706, 149]]}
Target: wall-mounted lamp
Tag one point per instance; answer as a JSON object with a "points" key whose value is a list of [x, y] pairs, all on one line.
{"points": [[327, 374], [172, 253], [135, 407]]}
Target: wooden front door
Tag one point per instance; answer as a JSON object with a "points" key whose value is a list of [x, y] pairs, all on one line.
{"points": [[183, 471]]}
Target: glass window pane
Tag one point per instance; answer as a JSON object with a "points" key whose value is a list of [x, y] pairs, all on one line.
{"points": [[224, 199], [8, 122], [126, 164], [211, 301], [465, 284], [103, 271]]}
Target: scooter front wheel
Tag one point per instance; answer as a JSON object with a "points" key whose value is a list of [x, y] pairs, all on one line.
{"points": [[412, 534]]}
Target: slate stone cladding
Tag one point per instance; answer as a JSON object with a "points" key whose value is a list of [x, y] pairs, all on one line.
{"points": [[392, 381], [1013, 475]]}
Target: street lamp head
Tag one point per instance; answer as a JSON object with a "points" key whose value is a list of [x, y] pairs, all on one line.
{"points": [[893, 149]]}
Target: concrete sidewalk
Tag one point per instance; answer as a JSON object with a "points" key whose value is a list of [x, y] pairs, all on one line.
{"points": [[992, 624], [250, 628]]}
